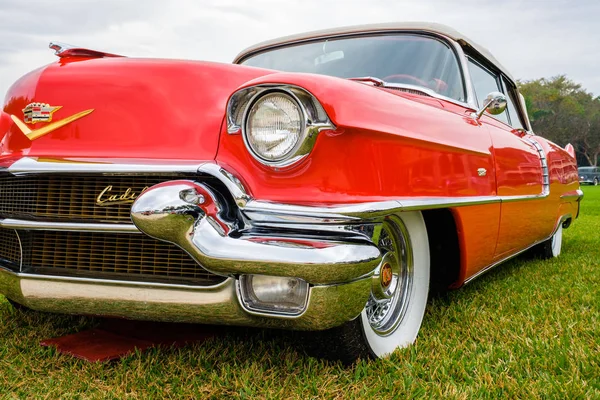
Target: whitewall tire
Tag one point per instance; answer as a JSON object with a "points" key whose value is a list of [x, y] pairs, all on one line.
{"points": [[393, 314], [401, 332], [550, 248], [556, 242]]}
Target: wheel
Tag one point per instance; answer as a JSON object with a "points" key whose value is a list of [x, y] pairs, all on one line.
{"points": [[394, 312], [595, 181], [551, 247]]}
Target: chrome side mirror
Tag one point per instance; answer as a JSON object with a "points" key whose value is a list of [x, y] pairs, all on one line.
{"points": [[494, 104]]}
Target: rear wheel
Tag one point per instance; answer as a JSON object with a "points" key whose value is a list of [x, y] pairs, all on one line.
{"points": [[595, 181], [394, 312], [550, 248]]}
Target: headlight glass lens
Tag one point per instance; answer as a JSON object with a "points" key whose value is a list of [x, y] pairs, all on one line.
{"points": [[274, 126]]}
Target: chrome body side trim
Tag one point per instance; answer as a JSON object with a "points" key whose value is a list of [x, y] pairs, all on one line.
{"points": [[280, 213], [12, 223], [545, 172], [264, 211], [577, 195]]}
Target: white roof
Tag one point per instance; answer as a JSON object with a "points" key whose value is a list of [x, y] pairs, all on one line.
{"points": [[390, 27]]}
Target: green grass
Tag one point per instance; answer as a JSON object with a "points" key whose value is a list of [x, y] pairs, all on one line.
{"points": [[527, 329]]}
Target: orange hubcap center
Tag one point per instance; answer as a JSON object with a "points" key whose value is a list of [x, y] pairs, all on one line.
{"points": [[386, 275]]}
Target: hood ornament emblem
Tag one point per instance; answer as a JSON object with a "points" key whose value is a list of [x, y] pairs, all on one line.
{"points": [[38, 112], [42, 112]]}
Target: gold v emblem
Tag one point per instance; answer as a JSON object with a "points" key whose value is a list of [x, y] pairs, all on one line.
{"points": [[36, 133]]}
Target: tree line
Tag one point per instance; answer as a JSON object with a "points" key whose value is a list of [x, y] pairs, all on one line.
{"points": [[562, 111]]}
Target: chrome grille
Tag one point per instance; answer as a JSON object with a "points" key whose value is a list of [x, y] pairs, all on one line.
{"points": [[72, 198], [122, 256], [10, 250]]}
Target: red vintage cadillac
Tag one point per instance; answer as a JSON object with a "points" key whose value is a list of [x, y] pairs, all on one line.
{"points": [[323, 182]]}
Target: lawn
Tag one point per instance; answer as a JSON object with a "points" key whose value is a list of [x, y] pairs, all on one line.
{"points": [[527, 329]]}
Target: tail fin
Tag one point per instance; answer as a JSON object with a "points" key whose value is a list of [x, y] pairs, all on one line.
{"points": [[570, 149]]}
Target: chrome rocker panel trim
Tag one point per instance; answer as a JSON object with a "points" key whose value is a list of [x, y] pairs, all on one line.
{"points": [[328, 306]]}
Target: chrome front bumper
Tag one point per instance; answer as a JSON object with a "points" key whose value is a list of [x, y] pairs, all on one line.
{"points": [[227, 240], [229, 234], [328, 306]]}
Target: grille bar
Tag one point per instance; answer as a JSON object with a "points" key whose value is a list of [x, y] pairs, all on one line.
{"points": [[62, 197]]}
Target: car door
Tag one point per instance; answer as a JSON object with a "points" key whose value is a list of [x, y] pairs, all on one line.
{"points": [[518, 168]]}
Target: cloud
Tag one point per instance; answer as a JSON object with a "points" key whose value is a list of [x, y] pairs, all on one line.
{"points": [[532, 39]]}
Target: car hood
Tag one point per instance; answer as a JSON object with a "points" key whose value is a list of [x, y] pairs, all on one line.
{"points": [[130, 108]]}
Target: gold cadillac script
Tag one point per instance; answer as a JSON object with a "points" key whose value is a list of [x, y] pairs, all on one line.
{"points": [[105, 198]]}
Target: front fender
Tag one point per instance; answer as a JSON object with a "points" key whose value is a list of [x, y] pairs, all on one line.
{"points": [[384, 146]]}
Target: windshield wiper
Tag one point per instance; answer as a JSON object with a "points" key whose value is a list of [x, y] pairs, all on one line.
{"points": [[398, 86], [370, 79]]}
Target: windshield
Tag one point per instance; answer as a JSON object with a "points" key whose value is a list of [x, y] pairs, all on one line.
{"points": [[400, 58], [587, 169]]}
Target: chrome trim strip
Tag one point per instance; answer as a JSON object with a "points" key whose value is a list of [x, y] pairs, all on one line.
{"points": [[111, 282], [570, 196], [12, 223], [20, 250], [495, 264], [289, 213], [543, 161], [30, 165], [561, 220], [527, 197], [231, 182], [470, 101], [260, 210], [265, 211]]}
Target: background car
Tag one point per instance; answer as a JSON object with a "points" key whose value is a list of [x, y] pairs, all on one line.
{"points": [[589, 175]]}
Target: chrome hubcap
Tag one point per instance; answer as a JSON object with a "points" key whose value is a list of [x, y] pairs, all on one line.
{"points": [[390, 295]]}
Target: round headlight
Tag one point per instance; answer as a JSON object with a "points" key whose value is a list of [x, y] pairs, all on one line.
{"points": [[274, 126]]}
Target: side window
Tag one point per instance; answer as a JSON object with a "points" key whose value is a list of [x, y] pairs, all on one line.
{"points": [[511, 100], [485, 82]]}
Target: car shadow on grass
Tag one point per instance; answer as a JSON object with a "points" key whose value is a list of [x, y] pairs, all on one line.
{"points": [[232, 344]]}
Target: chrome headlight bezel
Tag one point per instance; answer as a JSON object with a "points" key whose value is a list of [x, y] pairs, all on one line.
{"points": [[246, 130], [315, 120]]}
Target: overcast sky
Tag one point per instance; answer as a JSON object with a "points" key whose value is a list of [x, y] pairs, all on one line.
{"points": [[531, 38]]}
